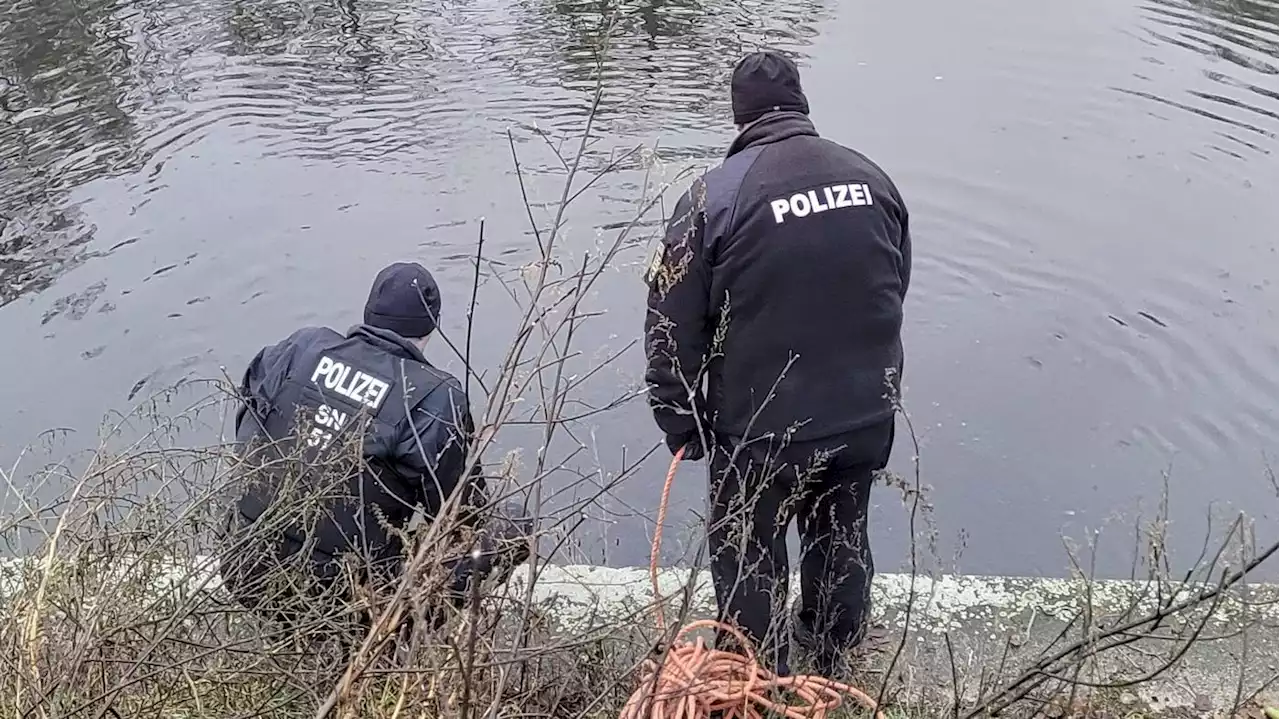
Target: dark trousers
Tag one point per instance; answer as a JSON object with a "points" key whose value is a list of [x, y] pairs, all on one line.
{"points": [[757, 488], [309, 593], [305, 593]]}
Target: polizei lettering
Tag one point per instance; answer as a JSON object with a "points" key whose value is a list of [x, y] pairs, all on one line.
{"points": [[832, 197], [350, 382]]}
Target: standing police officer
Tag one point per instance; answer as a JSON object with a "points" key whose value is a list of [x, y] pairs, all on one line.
{"points": [[309, 393], [780, 283]]}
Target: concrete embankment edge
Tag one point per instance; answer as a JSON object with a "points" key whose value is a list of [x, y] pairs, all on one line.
{"points": [[942, 603], [987, 620]]}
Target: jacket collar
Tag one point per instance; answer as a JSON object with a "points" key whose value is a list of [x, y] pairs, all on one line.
{"points": [[387, 341], [771, 128]]}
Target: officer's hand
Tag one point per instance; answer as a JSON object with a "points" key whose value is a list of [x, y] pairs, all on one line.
{"points": [[692, 443]]}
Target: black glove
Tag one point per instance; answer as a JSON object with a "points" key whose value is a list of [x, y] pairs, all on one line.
{"points": [[692, 443]]}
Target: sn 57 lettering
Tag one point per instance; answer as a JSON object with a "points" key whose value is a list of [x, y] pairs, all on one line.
{"points": [[802, 204], [327, 418]]}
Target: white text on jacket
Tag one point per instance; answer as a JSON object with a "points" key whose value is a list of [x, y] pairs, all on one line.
{"points": [[351, 383], [328, 418], [832, 197]]}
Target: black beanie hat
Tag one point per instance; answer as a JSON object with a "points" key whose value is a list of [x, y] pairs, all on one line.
{"points": [[404, 299], [764, 82]]}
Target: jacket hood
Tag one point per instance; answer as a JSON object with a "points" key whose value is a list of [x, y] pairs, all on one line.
{"points": [[388, 341], [773, 127]]}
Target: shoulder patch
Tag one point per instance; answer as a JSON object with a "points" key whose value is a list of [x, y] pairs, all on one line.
{"points": [[656, 257]]}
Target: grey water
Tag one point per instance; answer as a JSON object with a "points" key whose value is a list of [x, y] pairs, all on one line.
{"points": [[1093, 189]]}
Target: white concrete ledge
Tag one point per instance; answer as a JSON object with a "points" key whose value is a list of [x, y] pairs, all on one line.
{"points": [[981, 617], [941, 604], [979, 623]]}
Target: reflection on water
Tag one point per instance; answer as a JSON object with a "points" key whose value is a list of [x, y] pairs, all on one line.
{"points": [[342, 82], [168, 166], [666, 63], [62, 124], [1240, 33]]}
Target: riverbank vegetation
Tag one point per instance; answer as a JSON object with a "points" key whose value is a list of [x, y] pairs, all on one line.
{"points": [[112, 605]]}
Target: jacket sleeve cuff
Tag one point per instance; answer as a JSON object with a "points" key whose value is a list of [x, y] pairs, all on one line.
{"points": [[676, 441]]}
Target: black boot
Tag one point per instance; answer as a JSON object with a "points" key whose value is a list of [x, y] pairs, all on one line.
{"points": [[502, 544], [822, 656]]}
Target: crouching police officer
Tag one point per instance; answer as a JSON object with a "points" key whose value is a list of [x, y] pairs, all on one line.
{"points": [[780, 283], [317, 522]]}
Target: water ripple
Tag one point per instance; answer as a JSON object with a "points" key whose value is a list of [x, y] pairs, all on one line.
{"points": [[136, 133], [1241, 35]]}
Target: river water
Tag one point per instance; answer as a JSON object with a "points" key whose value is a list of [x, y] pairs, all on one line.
{"points": [[1092, 184]]}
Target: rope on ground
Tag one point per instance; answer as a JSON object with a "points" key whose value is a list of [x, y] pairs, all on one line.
{"points": [[694, 680]]}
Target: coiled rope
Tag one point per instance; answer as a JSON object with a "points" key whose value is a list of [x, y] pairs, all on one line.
{"points": [[693, 680]]}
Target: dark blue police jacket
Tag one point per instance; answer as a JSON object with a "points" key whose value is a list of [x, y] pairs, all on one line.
{"points": [[316, 390], [780, 281]]}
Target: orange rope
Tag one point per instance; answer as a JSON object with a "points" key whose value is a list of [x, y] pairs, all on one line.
{"points": [[694, 680]]}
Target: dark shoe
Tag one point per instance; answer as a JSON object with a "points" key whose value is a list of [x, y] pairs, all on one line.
{"points": [[846, 665], [827, 659], [502, 545], [802, 630]]}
